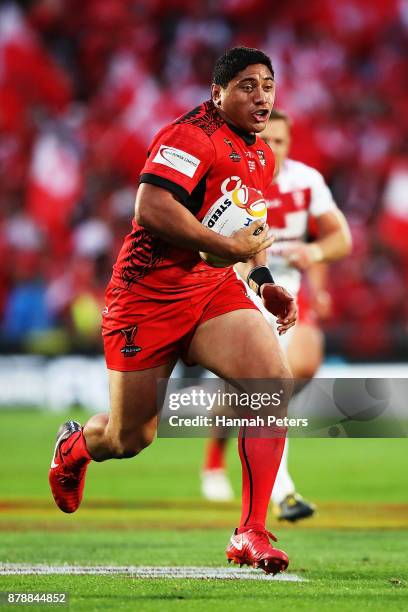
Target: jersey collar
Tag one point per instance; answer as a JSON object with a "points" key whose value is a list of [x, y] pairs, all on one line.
{"points": [[248, 138]]}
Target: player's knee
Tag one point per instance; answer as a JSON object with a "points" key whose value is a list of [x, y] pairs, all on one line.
{"points": [[284, 379], [284, 373]]}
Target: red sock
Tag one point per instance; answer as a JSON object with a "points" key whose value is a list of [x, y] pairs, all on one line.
{"points": [[74, 451], [260, 460], [215, 454]]}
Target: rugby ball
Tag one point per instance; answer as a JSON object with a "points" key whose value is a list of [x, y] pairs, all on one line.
{"points": [[238, 207]]}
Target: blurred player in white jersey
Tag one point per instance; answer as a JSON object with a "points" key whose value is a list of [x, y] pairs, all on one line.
{"points": [[297, 199]]}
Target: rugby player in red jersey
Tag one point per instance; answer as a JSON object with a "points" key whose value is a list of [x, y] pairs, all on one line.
{"points": [[299, 204], [164, 301]]}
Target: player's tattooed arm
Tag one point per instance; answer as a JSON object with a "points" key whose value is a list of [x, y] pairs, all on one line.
{"points": [[157, 210]]}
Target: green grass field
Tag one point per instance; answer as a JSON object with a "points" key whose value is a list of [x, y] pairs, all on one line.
{"points": [[147, 511]]}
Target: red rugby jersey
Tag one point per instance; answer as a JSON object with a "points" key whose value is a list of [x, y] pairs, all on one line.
{"points": [[198, 157]]}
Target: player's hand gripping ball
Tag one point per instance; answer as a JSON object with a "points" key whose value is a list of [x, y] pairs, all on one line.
{"points": [[237, 208]]}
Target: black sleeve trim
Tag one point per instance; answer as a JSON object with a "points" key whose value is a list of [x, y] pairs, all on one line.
{"points": [[159, 181]]}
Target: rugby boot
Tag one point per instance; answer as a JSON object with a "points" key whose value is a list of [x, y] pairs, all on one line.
{"points": [[67, 477], [293, 508], [253, 548]]}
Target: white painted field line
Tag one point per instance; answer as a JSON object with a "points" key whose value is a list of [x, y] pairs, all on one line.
{"points": [[139, 571]]}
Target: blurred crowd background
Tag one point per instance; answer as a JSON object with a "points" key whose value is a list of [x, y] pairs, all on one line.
{"points": [[84, 86]]}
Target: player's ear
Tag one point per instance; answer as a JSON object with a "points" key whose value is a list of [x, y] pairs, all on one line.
{"points": [[216, 94]]}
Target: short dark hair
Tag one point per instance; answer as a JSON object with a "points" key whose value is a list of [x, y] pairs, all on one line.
{"points": [[236, 59], [280, 115]]}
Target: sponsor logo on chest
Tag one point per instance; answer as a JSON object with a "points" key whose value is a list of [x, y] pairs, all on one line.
{"points": [[177, 159]]}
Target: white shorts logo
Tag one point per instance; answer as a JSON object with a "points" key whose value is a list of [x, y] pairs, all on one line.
{"points": [[178, 160]]}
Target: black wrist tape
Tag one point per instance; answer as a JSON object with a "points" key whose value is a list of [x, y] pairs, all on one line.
{"points": [[258, 276]]}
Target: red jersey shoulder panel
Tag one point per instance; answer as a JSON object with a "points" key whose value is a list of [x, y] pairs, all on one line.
{"points": [[182, 152], [204, 116]]}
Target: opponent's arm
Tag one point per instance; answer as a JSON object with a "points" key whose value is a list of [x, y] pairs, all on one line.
{"points": [[334, 239], [334, 242], [157, 210], [320, 297]]}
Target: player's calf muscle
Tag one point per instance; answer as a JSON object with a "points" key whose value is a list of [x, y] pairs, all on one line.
{"points": [[131, 425], [127, 444], [94, 434], [109, 443], [127, 447], [106, 440]]}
